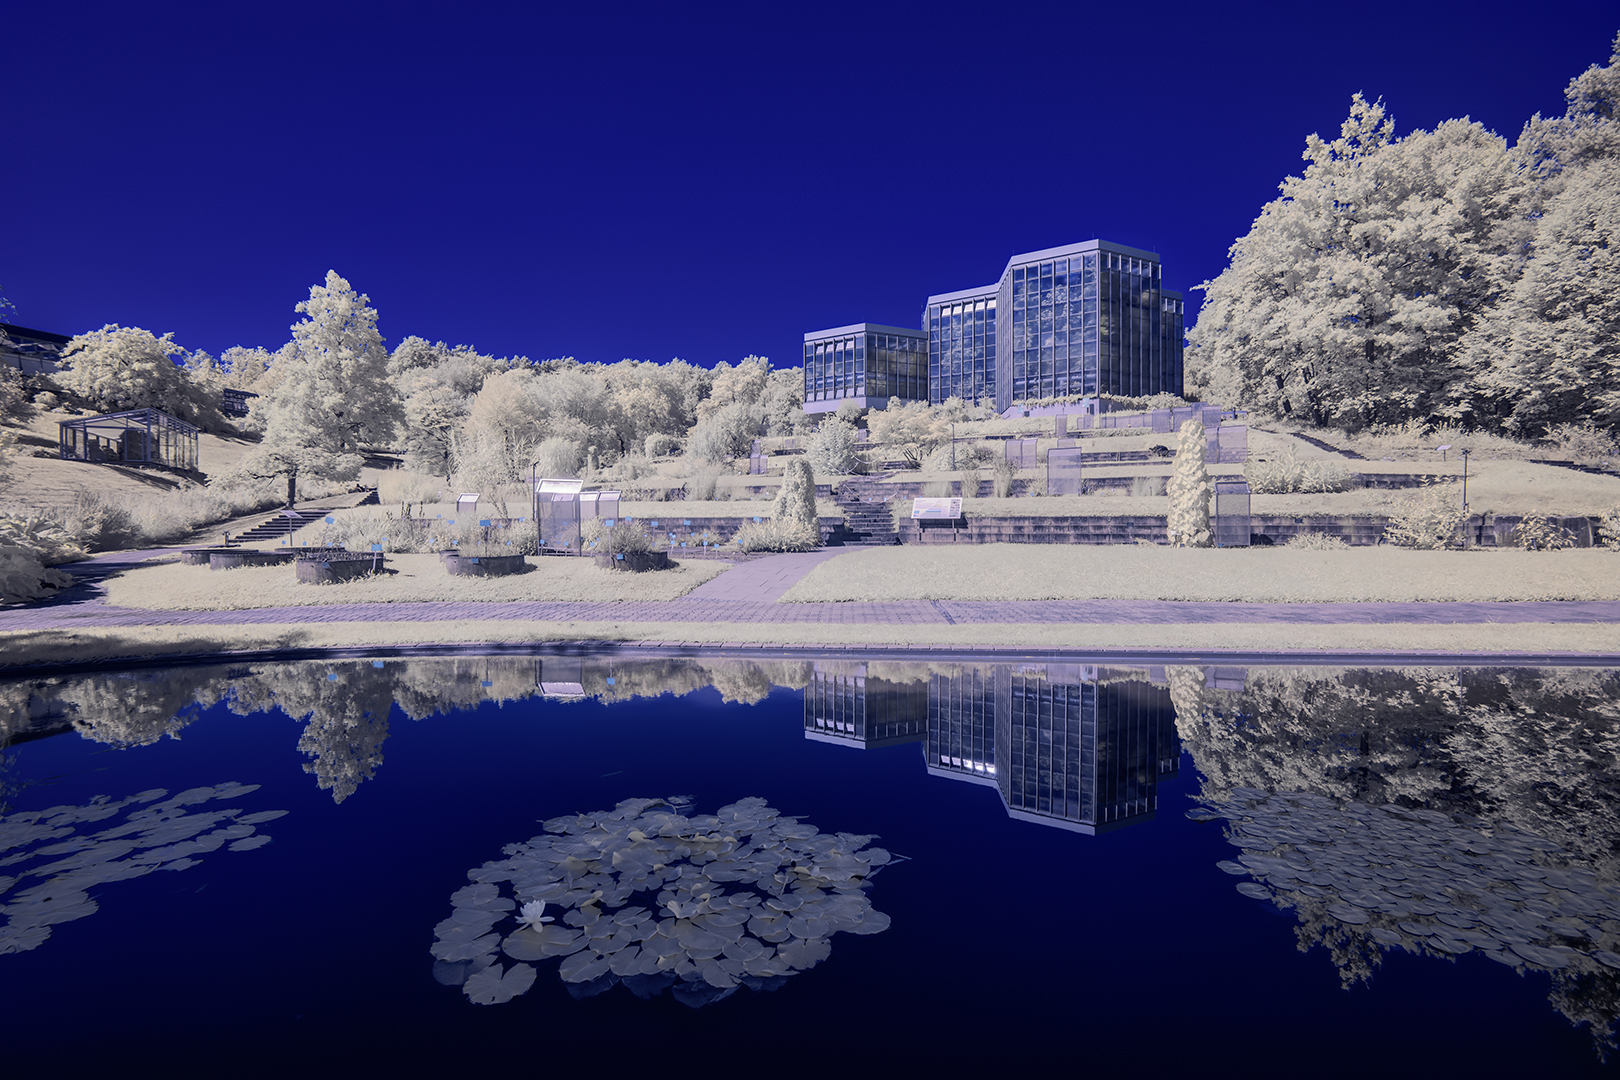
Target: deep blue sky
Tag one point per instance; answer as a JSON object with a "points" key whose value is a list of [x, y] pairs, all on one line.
{"points": [[681, 180]]}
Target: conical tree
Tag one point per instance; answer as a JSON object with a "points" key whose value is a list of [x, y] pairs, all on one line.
{"points": [[1190, 489]]}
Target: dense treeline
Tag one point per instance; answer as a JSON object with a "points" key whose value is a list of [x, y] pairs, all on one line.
{"points": [[1440, 277], [335, 390]]}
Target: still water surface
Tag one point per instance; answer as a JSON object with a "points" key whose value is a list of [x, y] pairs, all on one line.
{"points": [[701, 867]]}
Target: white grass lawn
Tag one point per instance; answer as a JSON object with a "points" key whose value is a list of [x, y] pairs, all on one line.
{"points": [[171, 586], [43, 646], [1152, 572]]}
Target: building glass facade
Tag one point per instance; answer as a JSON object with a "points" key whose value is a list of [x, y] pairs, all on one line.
{"points": [[1065, 745], [1069, 322], [962, 345], [847, 707], [1089, 319], [865, 363]]}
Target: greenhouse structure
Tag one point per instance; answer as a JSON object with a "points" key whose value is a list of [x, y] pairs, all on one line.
{"points": [[137, 437]]}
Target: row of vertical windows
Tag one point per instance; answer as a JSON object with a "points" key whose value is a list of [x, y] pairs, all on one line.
{"points": [[866, 365], [962, 350], [962, 723], [1086, 325]]}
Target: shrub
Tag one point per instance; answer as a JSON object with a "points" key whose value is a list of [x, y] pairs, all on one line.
{"points": [[41, 534], [621, 538], [1536, 533], [47, 400], [24, 577], [27, 543], [358, 530], [557, 457], [937, 489], [831, 450], [701, 486], [660, 444], [727, 433], [1583, 442], [773, 535], [1281, 476], [1188, 520], [1315, 541], [1147, 486], [1609, 528], [1426, 519], [1002, 475], [99, 523], [406, 486], [14, 403], [849, 412]]}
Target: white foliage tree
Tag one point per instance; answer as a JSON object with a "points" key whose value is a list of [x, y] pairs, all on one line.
{"points": [[332, 394], [831, 450], [1346, 301], [1548, 354], [118, 368]]}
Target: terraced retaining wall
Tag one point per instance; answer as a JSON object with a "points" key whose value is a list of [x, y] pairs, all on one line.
{"points": [[1357, 531]]}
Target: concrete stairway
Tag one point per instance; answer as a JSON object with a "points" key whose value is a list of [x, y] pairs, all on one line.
{"points": [[279, 527], [866, 516]]}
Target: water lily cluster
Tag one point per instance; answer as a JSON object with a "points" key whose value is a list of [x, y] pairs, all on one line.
{"points": [[646, 896]]}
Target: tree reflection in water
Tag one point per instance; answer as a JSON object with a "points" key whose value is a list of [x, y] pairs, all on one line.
{"points": [[1436, 810]]}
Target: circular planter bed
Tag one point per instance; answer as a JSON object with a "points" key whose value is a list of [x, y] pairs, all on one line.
{"points": [[458, 565], [333, 567], [230, 560], [199, 556], [635, 562]]}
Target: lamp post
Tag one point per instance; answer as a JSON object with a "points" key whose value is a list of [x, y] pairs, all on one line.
{"points": [[1465, 479]]}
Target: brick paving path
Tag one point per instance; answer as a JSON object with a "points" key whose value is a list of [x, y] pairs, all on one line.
{"points": [[82, 606]]}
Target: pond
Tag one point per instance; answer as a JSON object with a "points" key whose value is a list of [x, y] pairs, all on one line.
{"points": [[686, 866]]}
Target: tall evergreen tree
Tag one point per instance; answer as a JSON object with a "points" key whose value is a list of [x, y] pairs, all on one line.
{"points": [[332, 394]]}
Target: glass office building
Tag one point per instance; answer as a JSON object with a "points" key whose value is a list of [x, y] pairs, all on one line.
{"points": [[1065, 745], [865, 363], [1087, 319], [962, 344], [1077, 321], [843, 705]]}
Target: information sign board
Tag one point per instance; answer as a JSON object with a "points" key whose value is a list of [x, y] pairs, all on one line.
{"points": [[936, 509]]}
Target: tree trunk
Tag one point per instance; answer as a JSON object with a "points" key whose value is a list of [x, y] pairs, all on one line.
{"points": [[292, 488]]}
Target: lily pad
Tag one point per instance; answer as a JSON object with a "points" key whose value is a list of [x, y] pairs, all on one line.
{"points": [[490, 987]]}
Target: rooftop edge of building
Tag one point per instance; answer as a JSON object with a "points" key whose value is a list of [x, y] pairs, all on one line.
{"points": [[964, 294], [1078, 249], [864, 328]]}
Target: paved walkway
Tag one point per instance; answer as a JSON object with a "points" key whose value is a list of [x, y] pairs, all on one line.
{"points": [[83, 605], [764, 579]]}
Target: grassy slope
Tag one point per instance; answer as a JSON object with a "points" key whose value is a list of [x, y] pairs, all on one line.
{"points": [[50, 482], [1059, 572]]}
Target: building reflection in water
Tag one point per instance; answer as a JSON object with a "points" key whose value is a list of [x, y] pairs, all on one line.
{"points": [[1068, 745]]}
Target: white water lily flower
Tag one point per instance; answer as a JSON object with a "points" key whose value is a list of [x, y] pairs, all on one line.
{"points": [[533, 914]]}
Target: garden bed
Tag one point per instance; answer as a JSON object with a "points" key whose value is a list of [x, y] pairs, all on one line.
{"points": [[635, 562], [333, 567], [235, 559], [459, 565]]}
